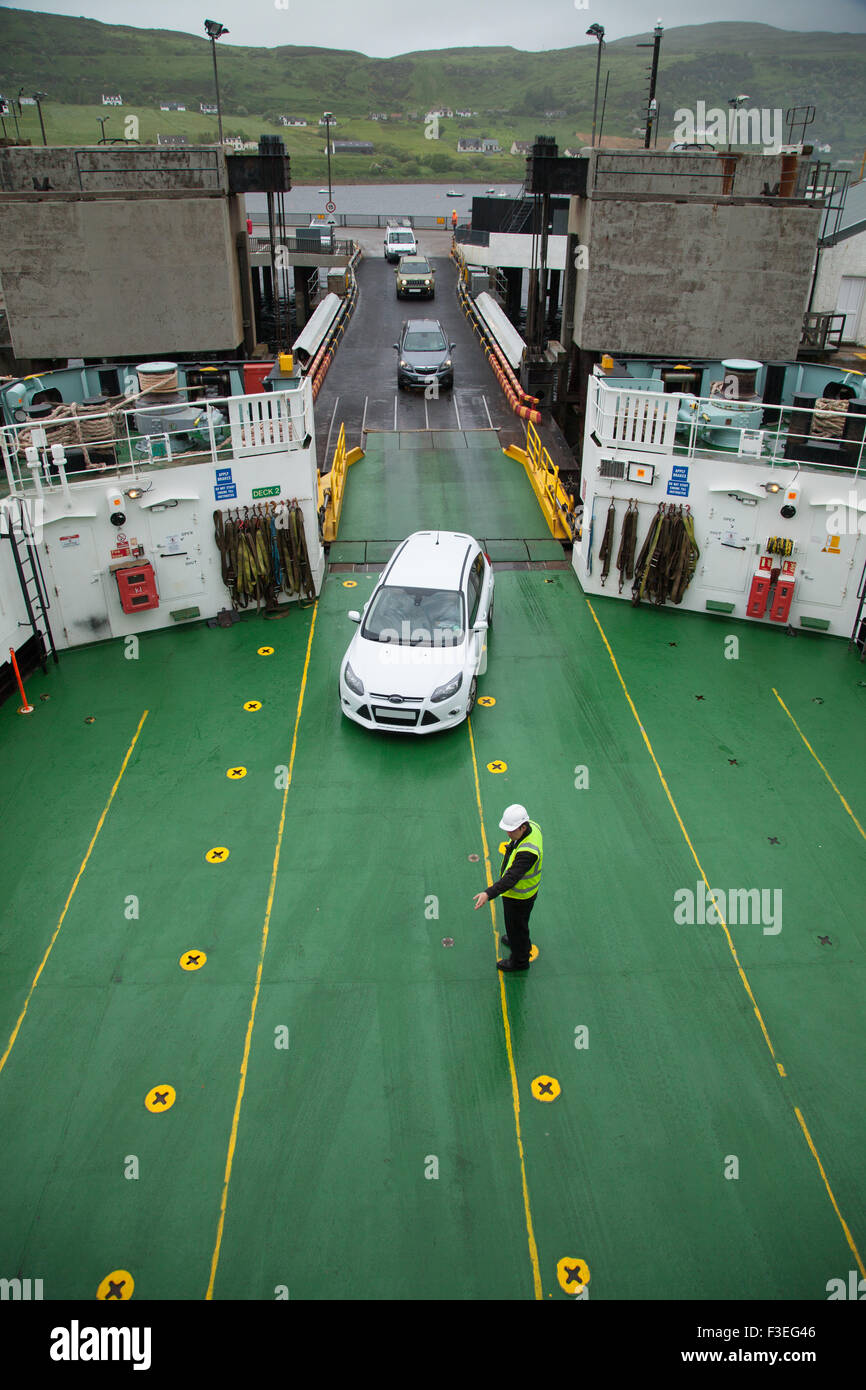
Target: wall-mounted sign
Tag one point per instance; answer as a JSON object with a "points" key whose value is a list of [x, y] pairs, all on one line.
{"points": [[266, 491], [678, 485], [224, 488]]}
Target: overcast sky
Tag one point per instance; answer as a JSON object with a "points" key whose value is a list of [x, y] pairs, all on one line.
{"points": [[383, 28]]}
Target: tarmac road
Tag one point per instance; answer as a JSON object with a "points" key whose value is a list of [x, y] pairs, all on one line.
{"points": [[360, 389]]}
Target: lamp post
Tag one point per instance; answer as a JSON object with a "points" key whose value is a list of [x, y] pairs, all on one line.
{"points": [[596, 31], [39, 97], [327, 117], [102, 121], [735, 103], [214, 31], [652, 104]]}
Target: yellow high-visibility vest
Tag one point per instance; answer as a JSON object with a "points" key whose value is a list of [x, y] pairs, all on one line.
{"points": [[528, 885]]}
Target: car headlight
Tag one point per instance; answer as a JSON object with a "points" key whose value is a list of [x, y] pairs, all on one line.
{"points": [[426, 282], [402, 284], [402, 363], [444, 692], [352, 681], [446, 363]]}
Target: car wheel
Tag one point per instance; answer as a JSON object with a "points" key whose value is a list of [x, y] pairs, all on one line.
{"points": [[473, 691], [490, 616]]}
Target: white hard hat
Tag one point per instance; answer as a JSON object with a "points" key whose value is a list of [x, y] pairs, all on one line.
{"points": [[513, 816]]}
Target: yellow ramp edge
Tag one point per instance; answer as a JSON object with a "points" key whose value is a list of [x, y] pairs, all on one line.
{"points": [[332, 486], [556, 504]]}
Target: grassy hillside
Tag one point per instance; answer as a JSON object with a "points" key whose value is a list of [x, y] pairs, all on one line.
{"points": [[76, 60]]}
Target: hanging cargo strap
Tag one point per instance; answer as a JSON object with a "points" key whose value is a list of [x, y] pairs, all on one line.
{"points": [[291, 573], [669, 557], [605, 550], [627, 542], [225, 532], [276, 559], [299, 550], [645, 559], [685, 556], [248, 570], [263, 554]]}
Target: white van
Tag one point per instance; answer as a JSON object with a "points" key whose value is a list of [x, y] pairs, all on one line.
{"points": [[399, 241]]}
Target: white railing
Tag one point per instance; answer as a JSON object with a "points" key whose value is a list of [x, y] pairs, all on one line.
{"points": [[34, 453], [636, 419], [268, 422], [711, 427]]}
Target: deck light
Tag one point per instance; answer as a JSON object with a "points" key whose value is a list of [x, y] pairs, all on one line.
{"points": [[214, 31], [596, 31], [39, 97], [772, 487]]}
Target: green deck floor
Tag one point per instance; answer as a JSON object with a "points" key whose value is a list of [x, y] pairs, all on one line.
{"points": [[404, 483], [396, 1045]]}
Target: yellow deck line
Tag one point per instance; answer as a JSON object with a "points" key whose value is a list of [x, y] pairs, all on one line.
{"points": [[515, 1094], [852, 1246], [56, 933], [820, 764], [263, 947]]}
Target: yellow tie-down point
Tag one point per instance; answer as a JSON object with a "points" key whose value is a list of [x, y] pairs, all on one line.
{"points": [[332, 486]]}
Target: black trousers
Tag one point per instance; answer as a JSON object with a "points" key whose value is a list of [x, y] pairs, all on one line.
{"points": [[517, 912]]}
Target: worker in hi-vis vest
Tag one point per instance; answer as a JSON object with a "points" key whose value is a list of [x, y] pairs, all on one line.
{"points": [[453, 219], [520, 876]]}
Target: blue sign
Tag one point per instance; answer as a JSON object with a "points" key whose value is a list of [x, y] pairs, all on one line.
{"points": [[224, 488], [679, 481]]}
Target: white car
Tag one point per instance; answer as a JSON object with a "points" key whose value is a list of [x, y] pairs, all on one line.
{"points": [[413, 665]]}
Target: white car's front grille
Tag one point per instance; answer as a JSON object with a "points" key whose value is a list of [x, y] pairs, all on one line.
{"points": [[401, 699]]}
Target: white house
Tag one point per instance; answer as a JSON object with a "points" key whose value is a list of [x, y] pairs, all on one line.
{"points": [[840, 287]]}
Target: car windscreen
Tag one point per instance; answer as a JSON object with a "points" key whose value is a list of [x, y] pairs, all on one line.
{"points": [[412, 617], [415, 267], [429, 340], [402, 238]]}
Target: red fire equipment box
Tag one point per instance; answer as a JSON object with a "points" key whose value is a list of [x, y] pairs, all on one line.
{"points": [[782, 600], [254, 376], [758, 595], [137, 587]]}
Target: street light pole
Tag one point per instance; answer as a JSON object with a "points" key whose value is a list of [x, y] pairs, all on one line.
{"points": [[102, 120], [214, 31], [652, 104], [327, 117], [39, 97], [596, 31]]}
